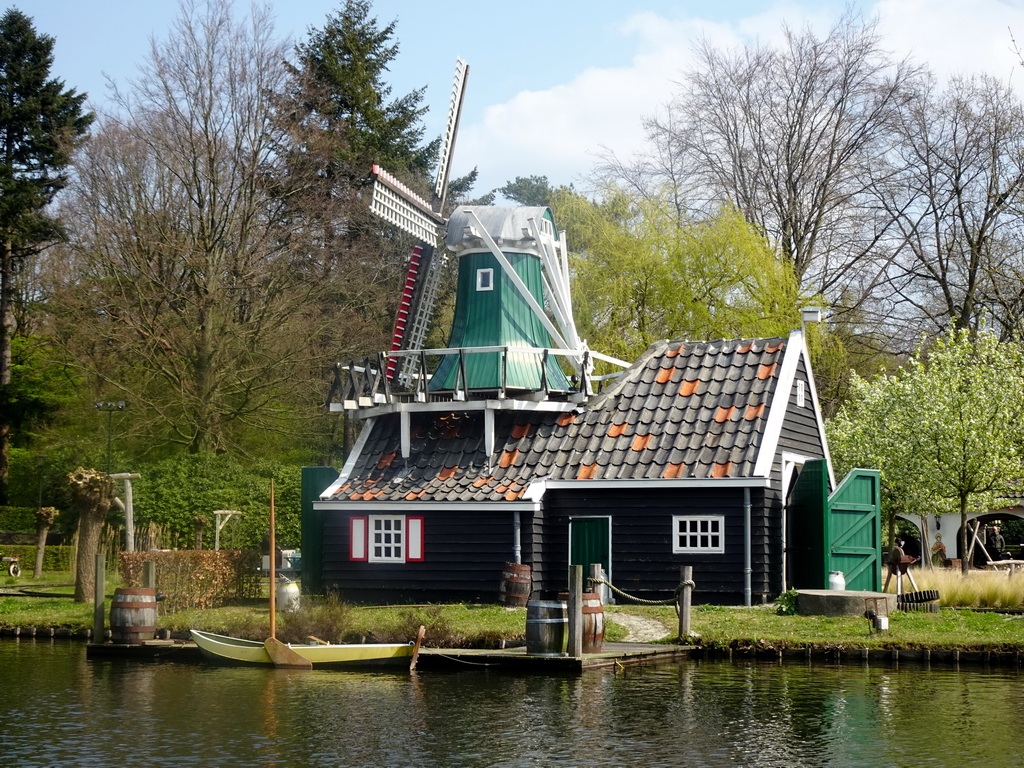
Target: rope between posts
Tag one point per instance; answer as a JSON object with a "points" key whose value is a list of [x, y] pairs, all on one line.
{"points": [[674, 600]]}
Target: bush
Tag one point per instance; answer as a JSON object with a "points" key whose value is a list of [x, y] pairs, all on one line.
{"points": [[197, 578], [18, 519], [55, 558]]}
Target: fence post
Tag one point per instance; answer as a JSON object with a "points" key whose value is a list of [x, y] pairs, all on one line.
{"points": [[596, 577], [99, 605], [686, 588], [575, 611], [149, 574]]}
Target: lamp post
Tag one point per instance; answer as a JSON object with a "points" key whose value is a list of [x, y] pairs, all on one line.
{"points": [[110, 408]]}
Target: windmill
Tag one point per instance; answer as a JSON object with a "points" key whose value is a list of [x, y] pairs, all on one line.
{"points": [[513, 313]]}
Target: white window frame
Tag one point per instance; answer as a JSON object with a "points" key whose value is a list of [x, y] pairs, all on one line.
{"points": [[386, 542], [403, 543], [711, 526], [485, 279]]}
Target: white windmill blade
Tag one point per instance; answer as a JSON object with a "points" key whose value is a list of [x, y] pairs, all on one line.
{"points": [[397, 204], [450, 133]]}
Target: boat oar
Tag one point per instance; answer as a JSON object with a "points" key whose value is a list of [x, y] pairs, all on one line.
{"points": [[416, 648], [279, 652]]}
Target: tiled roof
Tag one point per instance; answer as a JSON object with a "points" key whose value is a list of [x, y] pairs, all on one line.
{"points": [[683, 410]]}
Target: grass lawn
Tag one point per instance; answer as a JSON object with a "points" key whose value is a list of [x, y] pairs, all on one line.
{"points": [[462, 625]]}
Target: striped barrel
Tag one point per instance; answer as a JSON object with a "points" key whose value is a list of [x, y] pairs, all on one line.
{"points": [[133, 615]]}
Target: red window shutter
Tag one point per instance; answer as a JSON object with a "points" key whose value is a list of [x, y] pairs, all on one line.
{"points": [[413, 539], [358, 535]]}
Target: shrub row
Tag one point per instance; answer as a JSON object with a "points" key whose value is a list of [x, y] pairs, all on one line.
{"points": [[55, 558], [18, 519], [196, 578]]}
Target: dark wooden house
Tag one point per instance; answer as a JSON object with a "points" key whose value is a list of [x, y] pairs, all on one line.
{"points": [[686, 459]]}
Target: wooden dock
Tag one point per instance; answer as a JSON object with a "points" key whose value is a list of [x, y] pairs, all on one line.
{"points": [[612, 655]]}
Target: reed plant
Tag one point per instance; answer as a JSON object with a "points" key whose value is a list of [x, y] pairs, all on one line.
{"points": [[978, 589]]}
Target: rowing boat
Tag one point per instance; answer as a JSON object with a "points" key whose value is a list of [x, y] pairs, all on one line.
{"points": [[236, 650]]}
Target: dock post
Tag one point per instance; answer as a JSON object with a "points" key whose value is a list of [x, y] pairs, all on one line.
{"points": [[685, 597], [575, 611], [99, 605]]}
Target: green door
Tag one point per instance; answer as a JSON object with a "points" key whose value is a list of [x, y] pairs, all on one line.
{"points": [[590, 541], [807, 520], [856, 532]]}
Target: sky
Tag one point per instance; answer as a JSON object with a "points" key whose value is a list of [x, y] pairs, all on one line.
{"points": [[552, 85]]}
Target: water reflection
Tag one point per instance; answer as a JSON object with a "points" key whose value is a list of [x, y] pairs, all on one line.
{"points": [[59, 709]]}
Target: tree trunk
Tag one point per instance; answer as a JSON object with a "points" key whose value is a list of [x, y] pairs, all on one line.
{"points": [[92, 493], [6, 334], [964, 559], [44, 519]]}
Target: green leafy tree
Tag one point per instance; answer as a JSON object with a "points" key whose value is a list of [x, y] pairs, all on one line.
{"points": [[41, 121], [943, 430], [643, 273]]}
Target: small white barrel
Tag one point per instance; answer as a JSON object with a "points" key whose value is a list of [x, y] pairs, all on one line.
{"points": [[836, 580], [288, 597]]}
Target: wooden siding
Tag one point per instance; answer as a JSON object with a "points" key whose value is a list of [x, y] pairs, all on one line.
{"points": [[800, 429], [464, 553], [643, 563]]}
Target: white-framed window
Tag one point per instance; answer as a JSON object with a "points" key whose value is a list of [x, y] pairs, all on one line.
{"points": [[485, 279], [698, 533], [386, 539]]}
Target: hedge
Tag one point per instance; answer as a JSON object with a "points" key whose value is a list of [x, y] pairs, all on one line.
{"points": [[17, 519], [55, 558], [196, 578]]}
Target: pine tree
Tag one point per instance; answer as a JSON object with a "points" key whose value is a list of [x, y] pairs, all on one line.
{"points": [[40, 124]]}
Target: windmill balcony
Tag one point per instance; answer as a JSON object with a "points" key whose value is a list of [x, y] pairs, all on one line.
{"points": [[480, 373]]}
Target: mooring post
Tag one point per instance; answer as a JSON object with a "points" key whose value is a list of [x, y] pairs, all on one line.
{"points": [[575, 611], [149, 574], [596, 577], [99, 606], [685, 595]]}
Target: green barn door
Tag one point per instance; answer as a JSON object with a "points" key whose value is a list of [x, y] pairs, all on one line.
{"points": [[590, 541], [856, 536], [807, 534]]}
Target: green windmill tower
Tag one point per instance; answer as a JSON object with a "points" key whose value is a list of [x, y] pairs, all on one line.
{"points": [[513, 320]]}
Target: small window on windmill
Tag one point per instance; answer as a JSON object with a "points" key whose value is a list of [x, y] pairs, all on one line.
{"points": [[485, 279]]}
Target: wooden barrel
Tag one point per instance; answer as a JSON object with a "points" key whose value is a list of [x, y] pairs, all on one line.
{"points": [[133, 615], [516, 585], [593, 621], [547, 628]]}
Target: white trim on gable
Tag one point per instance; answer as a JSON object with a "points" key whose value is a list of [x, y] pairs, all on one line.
{"points": [[357, 449], [795, 351]]}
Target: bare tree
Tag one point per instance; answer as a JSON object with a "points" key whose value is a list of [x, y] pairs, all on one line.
{"points": [[185, 293], [91, 493], [785, 134], [955, 191]]}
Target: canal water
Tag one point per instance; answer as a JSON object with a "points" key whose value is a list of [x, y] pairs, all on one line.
{"points": [[59, 709]]}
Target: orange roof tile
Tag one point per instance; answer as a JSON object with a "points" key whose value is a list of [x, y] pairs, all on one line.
{"points": [[386, 459], [502, 488], [521, 430], [721, 469], [640, 442], [513, 495], [744, 349], [664, 375], [754, 412], [413, 495], [725, 414], [775, 348], [508, 458], [673, 471], [766, 371], [447, 473], [617, 429], [566, 419], [586, 472], [482, 481], [687, 388]]}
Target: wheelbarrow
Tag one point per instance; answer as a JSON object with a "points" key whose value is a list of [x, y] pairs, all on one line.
{"points": [[12, 564]]}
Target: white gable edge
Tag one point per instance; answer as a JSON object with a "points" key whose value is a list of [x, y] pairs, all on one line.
{"points": [[796, 350]]}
